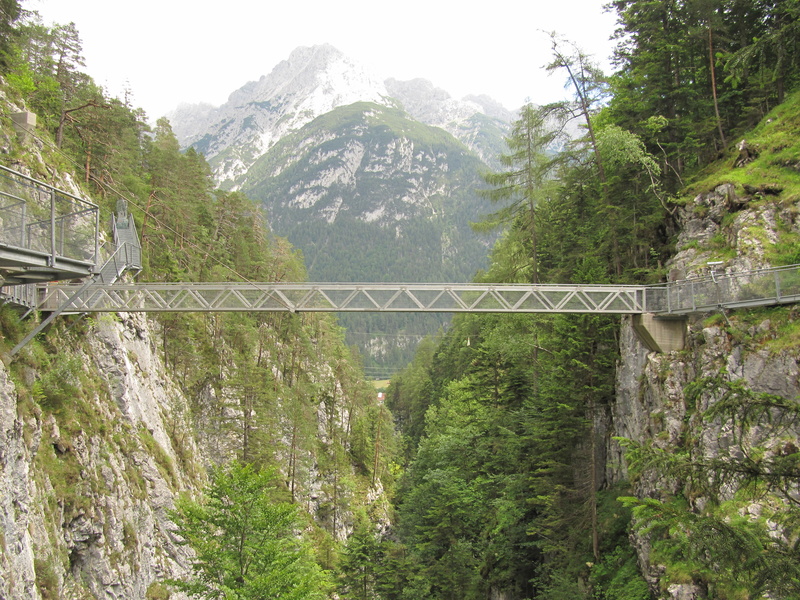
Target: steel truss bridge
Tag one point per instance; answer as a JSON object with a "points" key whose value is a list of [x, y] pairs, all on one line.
{"points": [[345, 297], [50, 235], [701, 294]]}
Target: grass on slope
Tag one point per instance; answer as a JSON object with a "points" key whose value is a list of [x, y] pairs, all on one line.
{"points": [[776, 140]]}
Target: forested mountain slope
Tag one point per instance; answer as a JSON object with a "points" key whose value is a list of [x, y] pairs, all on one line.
{"points": [[556, 457], [369, 194], [106, 422]]}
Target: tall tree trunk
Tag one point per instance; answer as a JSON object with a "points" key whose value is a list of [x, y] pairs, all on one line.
{"points": [[714, 86], [593, 481], [376, 462], [88, 164], [293, 462]]}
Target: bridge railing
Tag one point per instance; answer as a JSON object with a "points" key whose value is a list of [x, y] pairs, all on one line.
{"points": [[349, 297], [779, 285], [36, 216], [125, 234]]}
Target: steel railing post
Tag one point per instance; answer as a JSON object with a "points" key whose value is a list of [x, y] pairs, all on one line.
{"points": [[52, 228], [96, 258]]}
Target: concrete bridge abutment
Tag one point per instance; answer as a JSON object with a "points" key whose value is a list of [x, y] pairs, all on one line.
{"points": [[661, 334]]}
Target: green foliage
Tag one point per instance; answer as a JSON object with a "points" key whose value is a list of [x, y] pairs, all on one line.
{"points": [[358, 568], [46, 579], [245, 541], [721, 543], [673, 57], [617, 577], [157, 591], [528, 182], [9, 13], [777, 150], [489, 502], [58, 384], [165, 464]]}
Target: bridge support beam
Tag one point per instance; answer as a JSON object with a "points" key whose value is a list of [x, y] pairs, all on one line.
{"points": [[660, 334]]}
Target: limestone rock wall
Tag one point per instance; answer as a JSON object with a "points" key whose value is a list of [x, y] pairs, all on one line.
{"points": [[84, 498], [651, 402]]}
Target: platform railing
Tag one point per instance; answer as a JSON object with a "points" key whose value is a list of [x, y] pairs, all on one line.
{"points": [[37, 216], [761, 287]]}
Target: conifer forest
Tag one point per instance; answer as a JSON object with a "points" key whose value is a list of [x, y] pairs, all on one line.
{"points": [[517, 456]]}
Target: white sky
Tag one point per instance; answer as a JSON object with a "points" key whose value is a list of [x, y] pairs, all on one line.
{"points": [[173, 51]]}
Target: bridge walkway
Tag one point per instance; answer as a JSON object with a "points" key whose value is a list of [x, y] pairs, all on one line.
{"points": [[48, 234], [765, 287]]}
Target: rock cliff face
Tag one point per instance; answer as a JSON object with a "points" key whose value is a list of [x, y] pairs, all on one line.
{"points": [[96, 445], [87, 488], [652, 404]]}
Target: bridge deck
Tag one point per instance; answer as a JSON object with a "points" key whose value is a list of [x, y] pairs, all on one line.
{"points": [[24, 265], [753, 288], [348, 297]]}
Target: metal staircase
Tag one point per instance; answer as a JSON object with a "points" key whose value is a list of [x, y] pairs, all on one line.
{"points": [[127, 248], [127, 256]]}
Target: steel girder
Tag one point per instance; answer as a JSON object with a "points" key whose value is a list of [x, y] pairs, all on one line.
{"points": [[345, 297]]}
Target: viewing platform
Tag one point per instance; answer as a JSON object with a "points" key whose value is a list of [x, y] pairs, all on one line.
{"points": [[46, 234]]}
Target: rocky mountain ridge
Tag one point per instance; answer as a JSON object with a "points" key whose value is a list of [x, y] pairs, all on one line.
{"points": [[311, 82], [370, 164]]}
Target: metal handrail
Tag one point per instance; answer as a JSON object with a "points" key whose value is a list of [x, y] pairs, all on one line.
{"points": [[59, 206], [758, 287]]}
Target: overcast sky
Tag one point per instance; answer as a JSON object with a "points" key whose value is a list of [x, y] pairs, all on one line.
{"points": [[172, 51]]}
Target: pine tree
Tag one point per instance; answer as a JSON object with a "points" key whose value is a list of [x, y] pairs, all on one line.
{"points": [[244, 541], [528, 182], [9, 14]]}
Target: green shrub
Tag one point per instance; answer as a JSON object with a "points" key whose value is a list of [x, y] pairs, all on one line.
{"points": [[46, 579], [157, 591]]}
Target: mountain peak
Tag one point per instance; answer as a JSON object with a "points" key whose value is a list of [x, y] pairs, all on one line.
{"points": [[314, 70], [310, 82]]}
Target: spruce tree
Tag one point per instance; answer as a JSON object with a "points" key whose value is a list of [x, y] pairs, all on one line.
{"points": [[527, 183]]}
